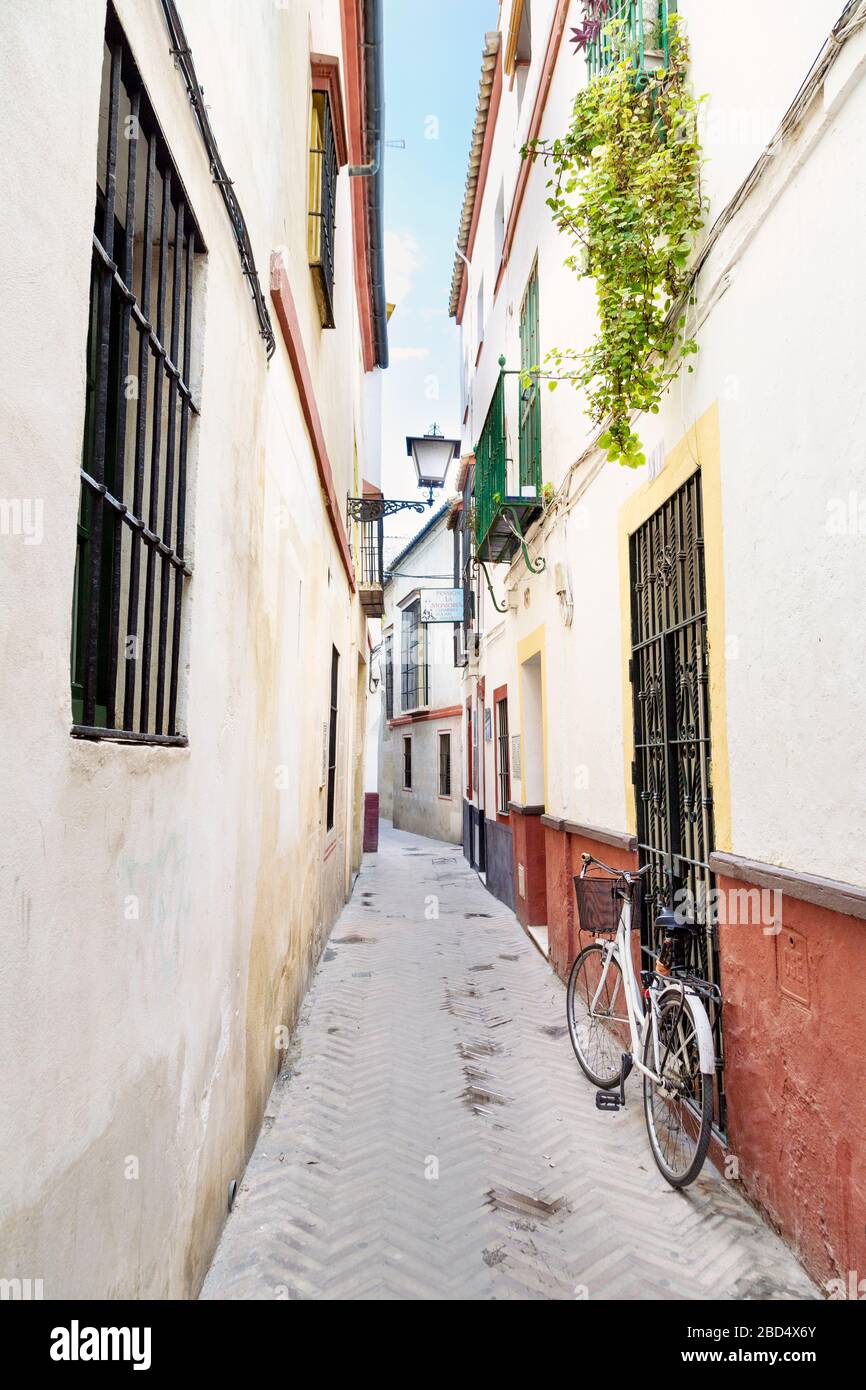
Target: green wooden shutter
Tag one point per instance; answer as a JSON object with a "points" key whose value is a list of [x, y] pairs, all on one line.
{"points": [[530, 399]]}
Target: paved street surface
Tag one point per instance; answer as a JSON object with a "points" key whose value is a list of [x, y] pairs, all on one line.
{"points": [[434, 1137]]}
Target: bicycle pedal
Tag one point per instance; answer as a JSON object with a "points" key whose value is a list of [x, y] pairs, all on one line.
{"points": [[607, 1100]]}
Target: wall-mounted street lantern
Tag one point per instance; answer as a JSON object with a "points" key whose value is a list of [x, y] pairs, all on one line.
{"points": [[431, 454]]}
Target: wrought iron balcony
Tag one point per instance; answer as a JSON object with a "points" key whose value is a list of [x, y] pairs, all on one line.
{"points": [[507, 491], [646, 35], [368, 513]]}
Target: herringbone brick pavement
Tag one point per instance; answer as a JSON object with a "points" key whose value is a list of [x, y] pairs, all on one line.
{"points": [[432, 1136]]}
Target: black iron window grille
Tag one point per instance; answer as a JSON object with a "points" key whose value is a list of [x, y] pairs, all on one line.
{"points": [[332, 737], [324, 167], [672, 770], [503, 766], [413, 666], [407, 763], [370, 551], [444, 764], [389, 677], [127, 634]]}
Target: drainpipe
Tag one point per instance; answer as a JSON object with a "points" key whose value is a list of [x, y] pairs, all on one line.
{"points": [[374, 68]]}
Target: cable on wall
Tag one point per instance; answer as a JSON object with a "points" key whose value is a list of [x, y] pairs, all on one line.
{"points": [[182, 55]]}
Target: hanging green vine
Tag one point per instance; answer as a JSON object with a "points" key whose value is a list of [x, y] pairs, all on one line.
{"points": [[626, 190]]}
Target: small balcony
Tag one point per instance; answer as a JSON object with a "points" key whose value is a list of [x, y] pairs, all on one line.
{"points": [[508, 489], [646, 35], [368, 513]]}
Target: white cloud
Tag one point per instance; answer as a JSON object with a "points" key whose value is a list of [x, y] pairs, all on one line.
{"points": [[409, 354], [401, 262]]}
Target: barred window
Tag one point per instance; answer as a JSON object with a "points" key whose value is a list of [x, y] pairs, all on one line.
{"points": [[444, 764], [407, 762], [323, 201], [503, 761], [413, 668], [389, 677], [332, 737], [130, 566], [469, 745]]}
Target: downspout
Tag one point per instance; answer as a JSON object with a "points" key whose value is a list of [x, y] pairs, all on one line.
{"points": [[374, 72]]}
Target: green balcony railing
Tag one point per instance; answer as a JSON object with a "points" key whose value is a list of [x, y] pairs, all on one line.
{"points": [[507, 496], [491, 464], [646, 35]]}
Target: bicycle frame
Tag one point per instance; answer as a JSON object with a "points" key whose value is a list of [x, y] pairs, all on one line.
{"points": [[640, 1018]]}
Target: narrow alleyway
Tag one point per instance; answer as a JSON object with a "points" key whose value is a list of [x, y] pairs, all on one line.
{"points": [[433, 1136]]}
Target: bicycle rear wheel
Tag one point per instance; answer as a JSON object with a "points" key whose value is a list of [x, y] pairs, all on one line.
{"points": [[678, 1108], [599, 1035]]}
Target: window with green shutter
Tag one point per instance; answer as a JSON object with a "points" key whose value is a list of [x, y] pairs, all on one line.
{"points": [[530, 399]]}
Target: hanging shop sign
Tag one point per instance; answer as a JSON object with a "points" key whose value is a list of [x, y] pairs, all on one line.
{"points": [[441, 605]]}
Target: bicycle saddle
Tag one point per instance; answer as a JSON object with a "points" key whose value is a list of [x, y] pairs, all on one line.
{"points": [[666, 921]]}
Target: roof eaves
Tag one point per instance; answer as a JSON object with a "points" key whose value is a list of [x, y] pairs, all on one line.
{"points": [[479, 131]]}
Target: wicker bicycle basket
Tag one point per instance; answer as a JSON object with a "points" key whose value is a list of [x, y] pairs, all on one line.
{"points": [[599, 904]]}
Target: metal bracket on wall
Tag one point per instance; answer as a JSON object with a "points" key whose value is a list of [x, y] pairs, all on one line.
{"points": [[481, 565], [374, 508], [537, 566]]}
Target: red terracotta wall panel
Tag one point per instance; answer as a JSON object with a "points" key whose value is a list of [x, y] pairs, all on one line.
{"points": [[795, 1044]]}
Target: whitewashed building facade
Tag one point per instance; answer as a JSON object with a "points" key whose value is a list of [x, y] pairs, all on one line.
{"points": [[677, 651], [195, 329]]}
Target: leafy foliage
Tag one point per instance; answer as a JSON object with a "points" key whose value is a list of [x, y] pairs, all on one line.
{"points": [[626, 191]]}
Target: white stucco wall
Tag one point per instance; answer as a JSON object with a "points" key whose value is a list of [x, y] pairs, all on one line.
{"points": [[163, 907], [780, 308]]}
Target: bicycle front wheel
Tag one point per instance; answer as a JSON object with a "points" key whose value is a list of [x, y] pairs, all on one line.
{"points": [[679, 1106], [597, 1018]]}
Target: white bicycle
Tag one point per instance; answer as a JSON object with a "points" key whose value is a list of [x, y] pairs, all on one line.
{"points": [[655, 1022]]}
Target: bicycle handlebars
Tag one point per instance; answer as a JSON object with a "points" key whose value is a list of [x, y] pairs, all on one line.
{"points": [[627, 874]]}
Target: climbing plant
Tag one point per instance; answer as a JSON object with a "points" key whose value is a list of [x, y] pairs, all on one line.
{"points": [[625, 188]]}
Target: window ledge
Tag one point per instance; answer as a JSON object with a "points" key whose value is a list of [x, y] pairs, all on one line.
{"points": [[98, 735]]}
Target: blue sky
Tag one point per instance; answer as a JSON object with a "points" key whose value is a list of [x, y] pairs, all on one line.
{"points": [[432, 70]]}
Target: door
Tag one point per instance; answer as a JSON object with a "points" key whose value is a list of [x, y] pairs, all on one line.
{"points": [[672, 770], [480, 854]]}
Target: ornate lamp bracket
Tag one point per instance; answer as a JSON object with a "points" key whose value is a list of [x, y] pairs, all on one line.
{"points": [[539, 564], [374, 508], [481, 565]]}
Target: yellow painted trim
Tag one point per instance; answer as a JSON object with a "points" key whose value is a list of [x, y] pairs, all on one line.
{"points": [[699, 449], [527, 647]]}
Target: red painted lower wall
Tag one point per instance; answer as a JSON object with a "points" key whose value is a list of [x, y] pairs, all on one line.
{"points": [[528, 847], [795, 1049], [371, 822], [563, 858]]}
